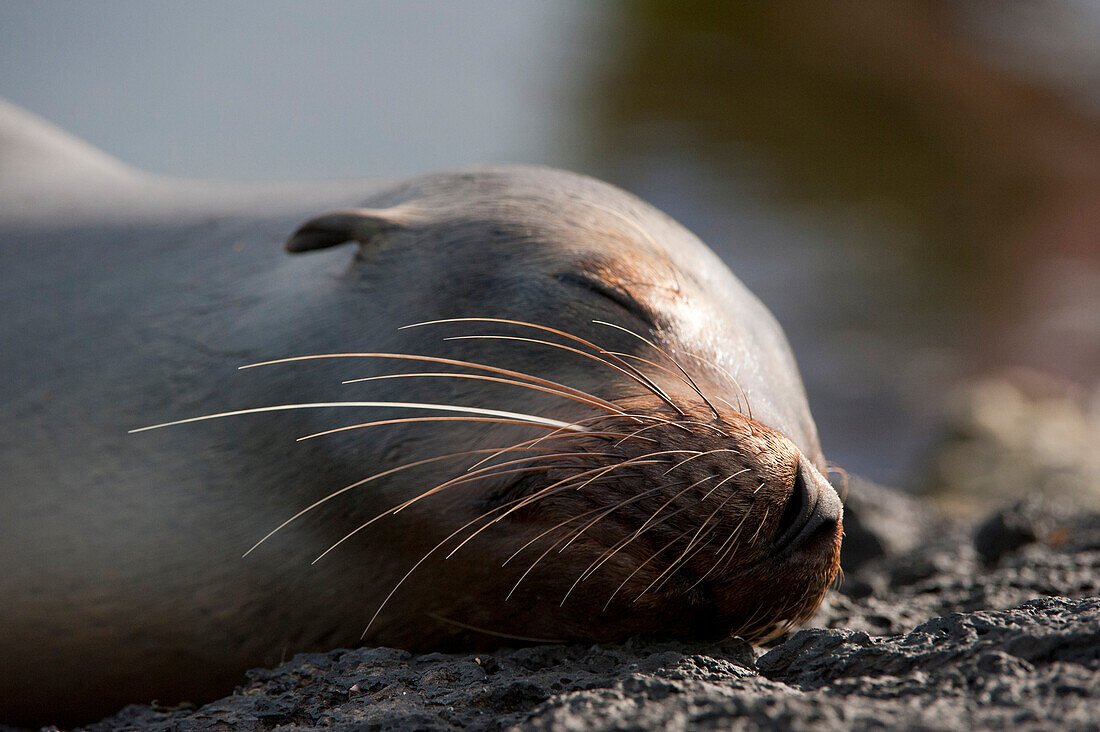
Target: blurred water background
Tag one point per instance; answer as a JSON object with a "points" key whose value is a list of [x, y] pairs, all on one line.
{"points": [[912, 187]]}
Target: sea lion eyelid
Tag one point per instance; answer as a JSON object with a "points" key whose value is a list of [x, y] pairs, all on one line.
{"points": [[601, 288]]}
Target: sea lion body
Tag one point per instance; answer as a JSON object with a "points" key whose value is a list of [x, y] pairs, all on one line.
{"points": [[121, 554]]}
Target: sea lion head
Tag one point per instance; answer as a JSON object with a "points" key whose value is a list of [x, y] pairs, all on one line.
{"points": [[644, 460]]}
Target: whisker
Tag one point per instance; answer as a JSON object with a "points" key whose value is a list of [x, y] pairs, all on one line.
{"points": [[654, 364], [626, 220], [564, 484], [728, 403], [547, 551], [640, 457], [448, 484], [438, 360], [669, 502], [725, 480], [837, 581], [599, 404], [736, 533], [494, 633], [722, 551], [699, 545], [699, 455], [546, 492], [406, 420], [479, 474], [558, 433], [371, 478], [471, 474], [676, 563], [681, 425], [689, 381], [528, 418], [434, 549], [834, 468], [616, 507], [761, 526], [694, 547], [416, 566], [530, 569], [553, 528], [643, 564], [729, 376], [638, 375], [638, 432], [622, 543], [630, 372], [704, 425], [752, 627], [608, 553]]}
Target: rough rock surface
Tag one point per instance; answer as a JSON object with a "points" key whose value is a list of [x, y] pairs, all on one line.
{"points": [[937, 625]]}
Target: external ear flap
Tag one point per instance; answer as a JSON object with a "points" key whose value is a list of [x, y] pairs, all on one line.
{"points": [[364, 225]]}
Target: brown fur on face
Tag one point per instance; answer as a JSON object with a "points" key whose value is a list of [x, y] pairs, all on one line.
{"points": [[668, 532]]}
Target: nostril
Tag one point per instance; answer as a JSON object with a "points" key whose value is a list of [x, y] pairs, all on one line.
{"points": [[796, 506], [797, 512]]}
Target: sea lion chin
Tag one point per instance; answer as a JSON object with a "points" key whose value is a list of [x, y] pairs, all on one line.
{"points": [[593, 431]]}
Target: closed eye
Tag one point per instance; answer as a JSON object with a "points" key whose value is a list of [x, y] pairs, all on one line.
{"points": [[622, 299]]}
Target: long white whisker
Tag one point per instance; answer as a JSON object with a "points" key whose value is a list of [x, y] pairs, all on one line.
{"points": [[452, 482], [438, 360], [374, 477], [413, 420], [529, 418], [631, 371], [599, 403], [460, 479], [593, 433]]}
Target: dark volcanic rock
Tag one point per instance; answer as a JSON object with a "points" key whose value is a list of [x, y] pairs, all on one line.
{"points": [[929, 631], [1035, 666]]}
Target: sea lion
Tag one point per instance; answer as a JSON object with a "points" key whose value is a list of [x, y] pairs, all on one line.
{"points": [[621, 444]]}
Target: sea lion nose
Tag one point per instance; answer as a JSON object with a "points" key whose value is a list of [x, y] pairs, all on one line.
{"points": [[829, 508], [813, 504]]}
